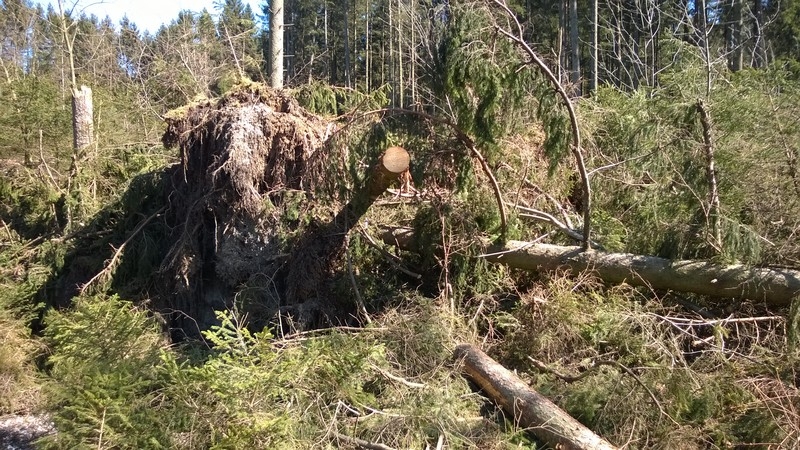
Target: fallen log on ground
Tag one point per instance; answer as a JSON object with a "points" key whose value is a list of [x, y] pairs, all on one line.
{"points": [[528, 408], [775, 286]]}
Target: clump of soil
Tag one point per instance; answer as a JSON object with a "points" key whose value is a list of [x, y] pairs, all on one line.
{"points": [[241, 157]]}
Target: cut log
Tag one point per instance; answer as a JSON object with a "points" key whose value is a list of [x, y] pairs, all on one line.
{"points": [[318, 250], [774, 286], [393, 162], [528, 408]]}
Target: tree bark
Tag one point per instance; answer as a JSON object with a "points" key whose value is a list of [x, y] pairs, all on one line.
{"points": [[82, 119], [772, 285], [562, 27], [346, 24], [733, 34], [574, 49], [714, 212], [759, 48], [316, 253], [276, 35], [593, 76], [393, 162], [400, 67], [528, 408], [82, 139]]}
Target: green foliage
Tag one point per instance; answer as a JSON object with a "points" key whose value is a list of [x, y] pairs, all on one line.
{"points": [[25, 269], [114, 383], [642, 376], [785, 32], [255, 392], [28, 203], [251, 392], [490, 91], [793, 327], [33, 105], [475, 75], [324, 99], [105, 382], [145, 250], [19, 383], [661, 194], [440, 232]]}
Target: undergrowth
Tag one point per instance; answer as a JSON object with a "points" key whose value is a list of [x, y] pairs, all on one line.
{"points": [[642, 369], [24, 270], [116, 384], [653, 376]]}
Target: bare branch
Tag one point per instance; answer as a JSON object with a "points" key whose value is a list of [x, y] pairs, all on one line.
{"points": [[573, 118]]}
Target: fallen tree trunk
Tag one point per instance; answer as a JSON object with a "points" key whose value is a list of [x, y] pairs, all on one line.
{"points": [[528, 408], [391, 164], [317, 251], [775, 286]]}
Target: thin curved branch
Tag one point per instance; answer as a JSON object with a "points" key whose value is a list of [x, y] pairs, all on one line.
{"points": [[549, 218], [573, 118]]}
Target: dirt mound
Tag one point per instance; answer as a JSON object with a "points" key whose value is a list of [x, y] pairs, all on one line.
{"points": [[241, 157]]}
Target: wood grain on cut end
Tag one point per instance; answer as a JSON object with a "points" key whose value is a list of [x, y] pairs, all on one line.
{"points": [[395, 160]]}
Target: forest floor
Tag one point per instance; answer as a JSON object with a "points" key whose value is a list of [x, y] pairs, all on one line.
{"points": [[18, 432]]}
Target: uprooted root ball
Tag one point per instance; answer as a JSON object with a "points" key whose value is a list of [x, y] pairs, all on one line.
{"points": [[239, 156]]}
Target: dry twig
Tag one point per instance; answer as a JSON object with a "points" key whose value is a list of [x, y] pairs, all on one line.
{"points": [[118, 252], [362, 443], [596, 363]]}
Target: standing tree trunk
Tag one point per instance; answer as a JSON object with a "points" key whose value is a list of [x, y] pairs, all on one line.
{"points": [[562, 26], [634, 59], [655, 36], [326, 45], [82, 122], [391, 61], [702, 33], [346, 24], [733, 35], [713, 212], [367, 49], [400, 74], [82, 140], [412, 56], [593, 77], [574, 49], [82, 119], [276, 53], [619, 66], [759, 48]]}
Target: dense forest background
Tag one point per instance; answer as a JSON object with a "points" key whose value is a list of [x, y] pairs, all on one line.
{"points": [[686, 124]]}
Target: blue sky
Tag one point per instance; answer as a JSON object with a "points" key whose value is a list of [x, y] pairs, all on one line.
{"points": [[146, 14]]}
